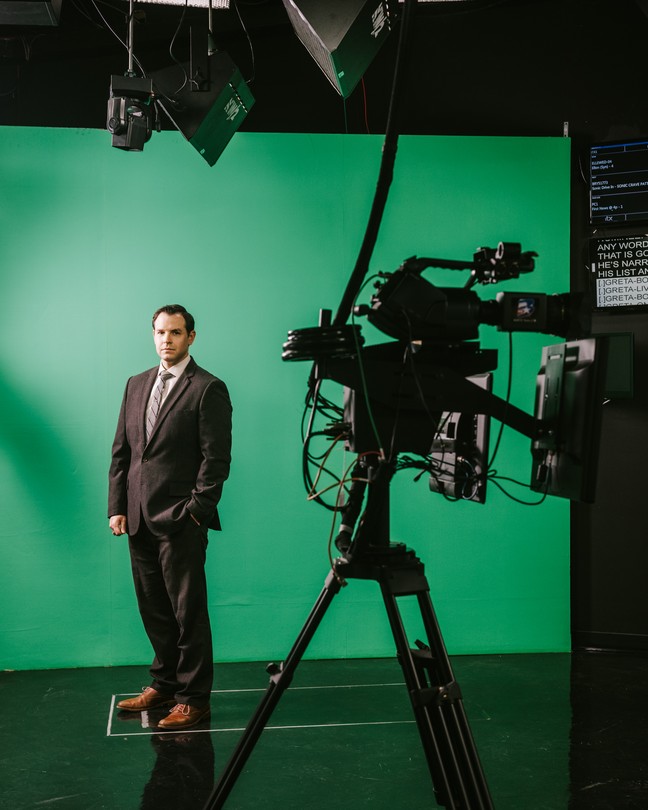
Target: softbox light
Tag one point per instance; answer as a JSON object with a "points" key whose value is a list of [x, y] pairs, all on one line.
{"points": [[342, 36], [207, 111]]}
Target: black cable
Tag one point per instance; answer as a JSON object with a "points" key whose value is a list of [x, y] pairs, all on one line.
{"points": [[115, 34], [187, 78], [249, 39], [390, 146], [385, 176], [318, 405], [512, 497], [79, 7]]}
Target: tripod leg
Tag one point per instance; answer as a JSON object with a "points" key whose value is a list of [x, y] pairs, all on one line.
{"points": [[448, 745], [436, 663], [280, 679]]}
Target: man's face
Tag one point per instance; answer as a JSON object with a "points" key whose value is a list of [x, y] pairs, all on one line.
{"points": [[171, 338]]}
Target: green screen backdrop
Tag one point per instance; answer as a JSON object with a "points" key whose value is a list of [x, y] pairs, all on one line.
{"points": [[93, 240]]}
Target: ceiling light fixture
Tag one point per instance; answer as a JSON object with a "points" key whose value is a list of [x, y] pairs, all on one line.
{"points": [[131, 107], [215, 4], [206, 98], [342, 36]]}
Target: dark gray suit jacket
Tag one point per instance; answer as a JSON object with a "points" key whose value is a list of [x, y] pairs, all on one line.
{"points": [[183, 466]]}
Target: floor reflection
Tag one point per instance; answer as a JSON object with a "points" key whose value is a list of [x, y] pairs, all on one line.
{"points": [[183, 774], [553, 731]]}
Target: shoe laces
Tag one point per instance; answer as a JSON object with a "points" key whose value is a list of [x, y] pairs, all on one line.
{"points": [[181, 708]]}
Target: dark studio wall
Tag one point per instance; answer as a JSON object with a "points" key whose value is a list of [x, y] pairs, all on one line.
{"points": [[516, 68]]}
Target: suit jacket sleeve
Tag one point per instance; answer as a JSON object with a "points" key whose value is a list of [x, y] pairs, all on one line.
{"points": [[121, 457], [215, 438]]}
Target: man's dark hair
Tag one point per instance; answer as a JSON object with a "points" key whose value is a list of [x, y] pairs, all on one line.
{"points": [[176, 309]]}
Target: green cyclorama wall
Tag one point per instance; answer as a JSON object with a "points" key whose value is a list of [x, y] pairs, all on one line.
{"points": [[94, 239]]}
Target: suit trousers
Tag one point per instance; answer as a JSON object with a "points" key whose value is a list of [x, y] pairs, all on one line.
{"points": [[171, 590]]}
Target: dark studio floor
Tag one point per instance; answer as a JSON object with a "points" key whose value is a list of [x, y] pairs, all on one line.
{"points": [[553, 732]]}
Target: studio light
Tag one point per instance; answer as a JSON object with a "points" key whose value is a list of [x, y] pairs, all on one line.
{"points": [[206, 99], [343, 36], [131, 108], [130, 112]]}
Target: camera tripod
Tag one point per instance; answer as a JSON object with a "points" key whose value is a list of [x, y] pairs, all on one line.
{"points": [[457, 777]]}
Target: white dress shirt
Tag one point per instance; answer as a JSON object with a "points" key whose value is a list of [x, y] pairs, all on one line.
{"points": [[177, 372]]}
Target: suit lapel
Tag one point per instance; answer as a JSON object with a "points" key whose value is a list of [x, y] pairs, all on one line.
{"points": [[176, 393]]}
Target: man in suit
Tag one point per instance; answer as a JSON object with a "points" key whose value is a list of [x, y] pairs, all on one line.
{"points": [[170, 457]]}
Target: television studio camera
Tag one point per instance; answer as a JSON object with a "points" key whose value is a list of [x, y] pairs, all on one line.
{"points": [[428, 392]]}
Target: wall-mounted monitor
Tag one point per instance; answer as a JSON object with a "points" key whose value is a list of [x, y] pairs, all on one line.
{"points": [[619, 273], [619, 182]]}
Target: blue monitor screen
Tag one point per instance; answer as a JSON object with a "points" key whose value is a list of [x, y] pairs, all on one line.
{"points": [[619, 182]]}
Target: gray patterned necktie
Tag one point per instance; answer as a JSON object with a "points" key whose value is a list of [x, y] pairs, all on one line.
{"points": [[154, 407]]}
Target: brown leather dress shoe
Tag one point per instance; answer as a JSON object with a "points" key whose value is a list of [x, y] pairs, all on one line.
{"points": [[149, 699], [182, 716]]}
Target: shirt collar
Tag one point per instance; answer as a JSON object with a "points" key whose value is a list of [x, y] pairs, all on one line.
{"points": [[177, 369]]}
